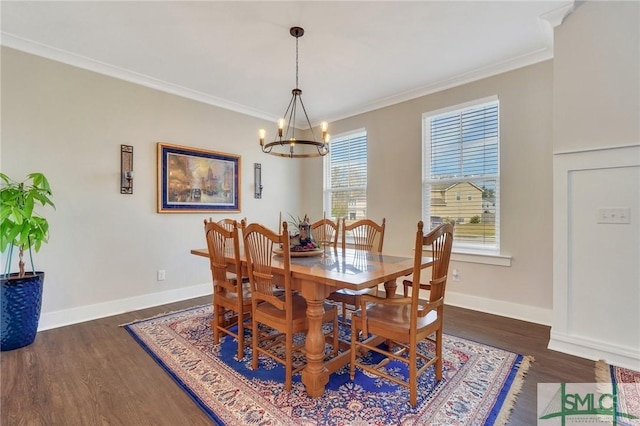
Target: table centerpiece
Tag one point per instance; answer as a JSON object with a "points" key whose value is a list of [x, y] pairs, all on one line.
{"points": [[300, 236]]}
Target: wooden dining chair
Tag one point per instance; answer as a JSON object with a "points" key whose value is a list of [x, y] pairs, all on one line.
{"points": [[325, 232], [408, 284], [367, 236], [280, 309], [229, 224], [365, 233], [406, 321], [231, 297]]}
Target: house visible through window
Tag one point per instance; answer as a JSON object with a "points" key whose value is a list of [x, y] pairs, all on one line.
{"points": [[345, 177], [461, 154]]}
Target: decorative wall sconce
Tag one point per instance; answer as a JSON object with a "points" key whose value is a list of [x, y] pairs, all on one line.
{"points": [[126, 169], [257, 179]]}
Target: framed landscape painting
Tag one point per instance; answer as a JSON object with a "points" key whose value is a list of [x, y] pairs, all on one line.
{"points": [[194, 180]]}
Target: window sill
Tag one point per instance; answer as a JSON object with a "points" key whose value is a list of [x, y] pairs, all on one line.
{"points": [[481, 257]]}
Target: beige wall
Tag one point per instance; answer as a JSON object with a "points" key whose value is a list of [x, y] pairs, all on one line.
{"points": [[105, 247], [597, 76], [394, 186], [597, 165]]}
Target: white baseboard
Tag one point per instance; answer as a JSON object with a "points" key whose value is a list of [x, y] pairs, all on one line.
{"points": [[56, 319], [498, 307], [590, 349]]}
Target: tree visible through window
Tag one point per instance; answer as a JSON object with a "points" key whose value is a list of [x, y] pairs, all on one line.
{"points": [[345, 177], [461, 155]]}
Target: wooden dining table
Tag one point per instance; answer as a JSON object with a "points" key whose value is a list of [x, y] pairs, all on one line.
{"points": [[315, 277]]}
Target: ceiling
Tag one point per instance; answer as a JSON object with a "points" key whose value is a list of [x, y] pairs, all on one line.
{"points": [[355, 56]]}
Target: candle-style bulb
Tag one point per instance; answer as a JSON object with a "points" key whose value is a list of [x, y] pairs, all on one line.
{"points": [[262, 133], [324, 126], [280, 126]]}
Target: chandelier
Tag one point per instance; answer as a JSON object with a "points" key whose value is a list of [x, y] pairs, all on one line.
{"points": [[285, 143]]}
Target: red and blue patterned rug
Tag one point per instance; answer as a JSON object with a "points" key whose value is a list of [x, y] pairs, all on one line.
{"points": [[627, 387], [479, 385]]}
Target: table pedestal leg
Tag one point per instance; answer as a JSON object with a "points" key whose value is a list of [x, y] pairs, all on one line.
{"points": [[390, 288], [314, 376]]}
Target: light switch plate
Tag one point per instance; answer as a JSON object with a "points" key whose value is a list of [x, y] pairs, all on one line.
{"points": [[617, 215]]}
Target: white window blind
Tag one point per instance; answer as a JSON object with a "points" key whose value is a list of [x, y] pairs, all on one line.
{"points": [[345, 177], [461, 155]]}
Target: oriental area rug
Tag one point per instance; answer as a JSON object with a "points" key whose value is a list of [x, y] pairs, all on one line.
{"points": [[479, 385], [625, 385]]}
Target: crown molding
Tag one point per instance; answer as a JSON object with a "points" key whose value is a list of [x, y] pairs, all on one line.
{"points": [[83, 62], [60, 55], [534, 57], [557, 16], [550, 19]]}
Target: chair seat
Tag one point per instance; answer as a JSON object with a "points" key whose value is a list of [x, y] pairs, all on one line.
{"points": [[398, 317], [232, 276], [299, 311], [350, 292], [229, 295], [347, 295], [267, 310]]}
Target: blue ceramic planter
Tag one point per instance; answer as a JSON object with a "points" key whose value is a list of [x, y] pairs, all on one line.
{"points": [[21, 303]]}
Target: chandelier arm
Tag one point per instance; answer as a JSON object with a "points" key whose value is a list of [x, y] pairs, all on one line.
{"points": [[292, 116], [313, 134], [285, 132], [267, 148]]}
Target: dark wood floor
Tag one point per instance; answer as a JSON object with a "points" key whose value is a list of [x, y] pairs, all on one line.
{"points": [[94, 373]]}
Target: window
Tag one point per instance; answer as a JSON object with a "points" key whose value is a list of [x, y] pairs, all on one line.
{"points": [[461, 149], [345, 177]]}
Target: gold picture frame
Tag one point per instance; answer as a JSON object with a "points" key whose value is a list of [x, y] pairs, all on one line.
{"points": [[194, 180]]}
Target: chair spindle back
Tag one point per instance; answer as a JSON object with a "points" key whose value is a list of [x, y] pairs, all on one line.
{"points": [[365, 233], [259, 244]]}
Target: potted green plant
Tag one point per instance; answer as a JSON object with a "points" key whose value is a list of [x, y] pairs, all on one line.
{"points": [[23, 228]]}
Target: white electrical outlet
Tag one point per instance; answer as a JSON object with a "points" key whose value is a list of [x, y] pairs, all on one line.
{"points": [[161, 275], [455, 275]]}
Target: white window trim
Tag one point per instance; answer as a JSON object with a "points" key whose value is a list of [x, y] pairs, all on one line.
{"points": [[461, 252], [463, 105], [474, 256]]}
